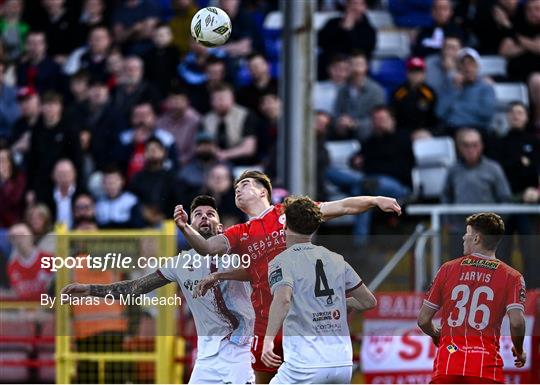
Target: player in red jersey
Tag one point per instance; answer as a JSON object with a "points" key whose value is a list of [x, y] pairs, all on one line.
{"points": [[262, 237], [473, 293]]}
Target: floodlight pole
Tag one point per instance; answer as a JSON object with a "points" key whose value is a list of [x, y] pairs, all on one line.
{"points": [[296, 136]]}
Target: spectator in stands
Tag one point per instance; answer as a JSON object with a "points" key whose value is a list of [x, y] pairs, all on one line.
{"points": [[132, 88], [65, 188], [519, 155], [441, 69], [9, 109], [414, 102], [184, 10], [182, 122], [103, 124], [523, 51], [13, 29], [261, 84], [143, 120], [155, 186], [322, 126], [115, 68], [430, 39], [60, 28], [326, 91], [84, 210], [267, 134], [219, 184], [39, 219], [192, 68], [92, 16], [36, 69], [12, 188], [78, 96], [118, 208], [29, 104], [199, 93], [494, 21], [161, 61], [133, 24], [473, 179], [93, 58], [26, 276], [382, 167], [193, 174], [233, 127], [469, 101], [245, 36], [51, 141], [355, 100], [347, 34]]}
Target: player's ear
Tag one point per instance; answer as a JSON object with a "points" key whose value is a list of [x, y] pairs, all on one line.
{"points": [[219, 228]]}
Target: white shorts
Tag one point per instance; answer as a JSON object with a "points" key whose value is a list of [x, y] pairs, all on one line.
{"points": [[288, 374], [231, 365]]}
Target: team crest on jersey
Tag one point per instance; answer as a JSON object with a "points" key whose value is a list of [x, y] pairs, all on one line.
{"points": [[282, 219], [486, 264], [275, 277], [379, 347], [452, 348], [244, 237]]}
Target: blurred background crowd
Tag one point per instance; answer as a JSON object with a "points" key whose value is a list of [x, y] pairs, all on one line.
{"points": [[110, 114]]}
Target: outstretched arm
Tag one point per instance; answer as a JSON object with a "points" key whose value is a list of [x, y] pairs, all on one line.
{"points": [[358, 205], [138, 286]]}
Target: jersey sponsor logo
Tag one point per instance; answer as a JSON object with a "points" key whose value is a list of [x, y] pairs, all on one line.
{"points": [[282, 219], [275, 277], [492, 265], [189, 284], [326, 315], [336, 314], [452, 348]]}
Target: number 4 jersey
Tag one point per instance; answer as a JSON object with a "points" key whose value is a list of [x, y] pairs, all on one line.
{"points": [[315, 331], [473, 294]]}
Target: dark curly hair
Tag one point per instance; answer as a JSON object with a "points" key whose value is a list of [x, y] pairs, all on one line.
{"points": [[303, 215], [490, 225]]}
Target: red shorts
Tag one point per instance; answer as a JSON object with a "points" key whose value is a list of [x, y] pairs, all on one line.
{"points": [[451, 379], [256, 350]]}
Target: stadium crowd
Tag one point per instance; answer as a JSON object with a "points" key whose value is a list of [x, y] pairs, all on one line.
{"points": [[110, 114]]}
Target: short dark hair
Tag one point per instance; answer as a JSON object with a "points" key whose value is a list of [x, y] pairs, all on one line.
{"points": [[254, 55], [260, 177], [517, 103], [358, 53], [222, 87], [112, 169], [338, 58], [212, 59], [52, 97], [202, 200], [490, 225], [382, 107], [154, 139], [302, 214]]}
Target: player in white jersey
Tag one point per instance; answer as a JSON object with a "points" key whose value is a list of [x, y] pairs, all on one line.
{"points": [[224, 318], [310, 285]]}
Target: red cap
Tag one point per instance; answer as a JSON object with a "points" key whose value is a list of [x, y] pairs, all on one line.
{"points": [[25, 92], [416, 63]]}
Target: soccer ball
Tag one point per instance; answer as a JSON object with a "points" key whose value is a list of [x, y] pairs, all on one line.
{"points": [[211, 27]]}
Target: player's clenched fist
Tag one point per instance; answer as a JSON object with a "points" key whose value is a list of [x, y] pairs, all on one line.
{"points": [[520, 359], [204, 285], [180, 217], [388, 205], [270, 358]]}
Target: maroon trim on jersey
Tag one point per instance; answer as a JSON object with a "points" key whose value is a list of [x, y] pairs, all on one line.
{"points": [[220, 303], [355, 287], [160, 273]]}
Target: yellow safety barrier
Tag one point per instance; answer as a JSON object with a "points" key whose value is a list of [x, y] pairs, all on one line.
{"points": [[165, 342]]}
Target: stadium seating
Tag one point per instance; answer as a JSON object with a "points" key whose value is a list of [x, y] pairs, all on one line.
{"points": [[494, 66], [392, 44], [433, 157], [510, 92]]}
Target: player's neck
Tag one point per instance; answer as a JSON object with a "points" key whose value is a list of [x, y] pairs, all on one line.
{"points": [[488, 254], [294, 239], [257, 208]]}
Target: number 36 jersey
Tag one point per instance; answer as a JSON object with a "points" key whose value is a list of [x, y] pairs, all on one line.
{"points": [[473, 294], [315, 330]]}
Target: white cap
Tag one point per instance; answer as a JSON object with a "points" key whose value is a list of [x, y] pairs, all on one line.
{"points": [[469, 52]]}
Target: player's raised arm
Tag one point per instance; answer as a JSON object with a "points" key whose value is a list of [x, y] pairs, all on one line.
{"points": [[137, 286], [358, 205], [213, 245], [279, 308], [205, 284]]}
